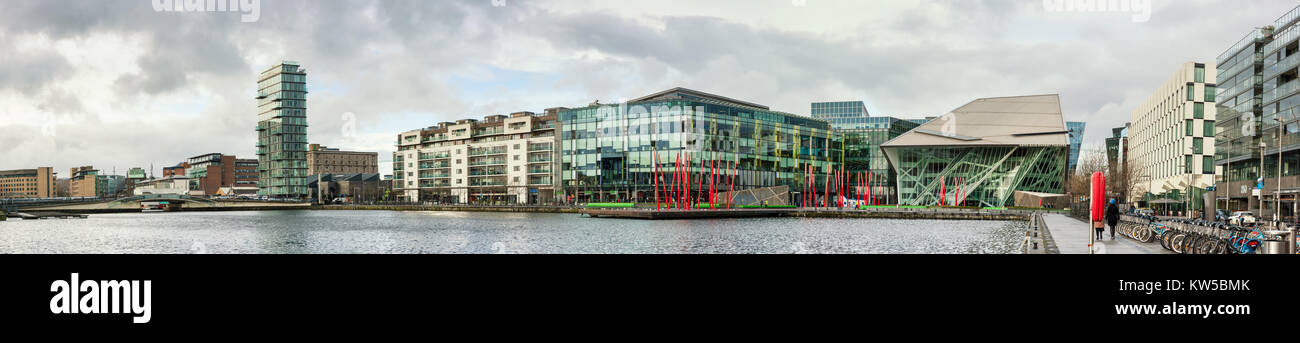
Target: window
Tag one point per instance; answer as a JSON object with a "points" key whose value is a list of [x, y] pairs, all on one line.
{"points": [[1197, 145], [1198, 110], [1200, 74], [1188, 164], [1209, 93], [1191, 92], [1209, 129], [1207, 166], [1188, 127]]}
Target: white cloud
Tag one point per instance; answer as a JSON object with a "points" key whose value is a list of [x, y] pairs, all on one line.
{"points": [[129, 86]]}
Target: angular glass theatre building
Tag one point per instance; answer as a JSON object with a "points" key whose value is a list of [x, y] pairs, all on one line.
{"points": [[607, 151], [987, 149]]}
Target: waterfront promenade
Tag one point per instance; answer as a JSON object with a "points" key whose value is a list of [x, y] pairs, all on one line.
{"points": [[1071, 236]]}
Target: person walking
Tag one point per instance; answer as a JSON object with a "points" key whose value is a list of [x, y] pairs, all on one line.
{"points": [[1112, 217]]}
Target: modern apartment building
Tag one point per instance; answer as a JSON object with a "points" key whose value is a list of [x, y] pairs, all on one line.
{"points": [[1076, 142], [282, 131], [983, 153], [1172, 140], [862, 136], [83, 182], [608, 152], [325, 160], [28, 183], [499, 160]]}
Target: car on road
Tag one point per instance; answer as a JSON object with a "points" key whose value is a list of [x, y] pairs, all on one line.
{"points": [[1242, 218]]}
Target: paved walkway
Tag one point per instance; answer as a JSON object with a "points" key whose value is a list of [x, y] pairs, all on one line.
{"points": [[1071, 236]]}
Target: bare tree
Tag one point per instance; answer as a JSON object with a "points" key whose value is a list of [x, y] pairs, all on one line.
{"points": [[1091, 160]]}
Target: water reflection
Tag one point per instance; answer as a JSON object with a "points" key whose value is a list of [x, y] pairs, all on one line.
{"points": [[379, 232]]}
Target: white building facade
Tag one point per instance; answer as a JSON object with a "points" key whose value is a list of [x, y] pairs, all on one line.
{"points": [[497, 161], [1171, 140]]}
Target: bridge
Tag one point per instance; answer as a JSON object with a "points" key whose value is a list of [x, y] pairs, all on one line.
{"points": [[187, 202]]}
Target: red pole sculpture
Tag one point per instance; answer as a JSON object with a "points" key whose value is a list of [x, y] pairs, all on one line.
{"points": [[871, 190], [803, 184], [827, 201], [689, 168], [713, 183], [735, 173], [942, 185], [677, 181], [654, 172]]}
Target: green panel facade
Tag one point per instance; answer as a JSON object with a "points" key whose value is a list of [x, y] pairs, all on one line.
{"points": [[991, 174]]}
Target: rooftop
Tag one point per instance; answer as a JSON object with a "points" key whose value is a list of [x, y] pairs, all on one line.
{"points": [[1033, 120], [680, 93]]}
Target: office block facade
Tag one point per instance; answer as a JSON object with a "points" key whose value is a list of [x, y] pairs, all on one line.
{"points": [[1172, 138], [28, 183], [325, 160], [608, 152]]}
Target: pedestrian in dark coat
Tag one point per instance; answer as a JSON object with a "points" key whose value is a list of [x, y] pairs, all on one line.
{"points": [[1112, 217]]}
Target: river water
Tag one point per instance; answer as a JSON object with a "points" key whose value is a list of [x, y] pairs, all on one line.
{"points": [[385, 232]]}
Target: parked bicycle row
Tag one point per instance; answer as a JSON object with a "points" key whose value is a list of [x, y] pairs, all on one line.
{"points": [[1193, 236]]}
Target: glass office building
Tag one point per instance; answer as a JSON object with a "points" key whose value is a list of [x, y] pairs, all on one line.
{"points": [[983, 153], [1257, 95], [1076, 142], [842, 115], [863, 154], [282, 131], [607, 151]]}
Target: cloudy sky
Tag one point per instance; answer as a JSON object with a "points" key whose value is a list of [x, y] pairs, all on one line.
{"points": [[116, 84]]}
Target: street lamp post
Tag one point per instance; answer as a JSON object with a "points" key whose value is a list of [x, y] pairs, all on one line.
{"points": [[1262, 146], [1277, 192], [1227, 177]]}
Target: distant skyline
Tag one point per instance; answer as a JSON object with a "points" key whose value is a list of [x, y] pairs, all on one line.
{"points": [[118, 84]]}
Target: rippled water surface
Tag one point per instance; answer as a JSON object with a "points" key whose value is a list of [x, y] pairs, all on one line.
{"points": [[298, 232]]}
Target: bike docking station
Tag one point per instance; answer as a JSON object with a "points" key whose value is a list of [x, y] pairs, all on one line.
{"points": [[1194, 236]]}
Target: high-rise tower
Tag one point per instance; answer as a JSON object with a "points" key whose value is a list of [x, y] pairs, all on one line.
{"points": [[282, 131]]}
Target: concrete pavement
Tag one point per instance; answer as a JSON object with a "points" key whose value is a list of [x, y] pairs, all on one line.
{"points": [[1071, 236]]}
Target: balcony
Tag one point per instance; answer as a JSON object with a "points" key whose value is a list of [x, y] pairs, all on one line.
{"points": [[487, 173], [1281, 91], [492, 162], [540, 147], [546, 159], [488, 152]]}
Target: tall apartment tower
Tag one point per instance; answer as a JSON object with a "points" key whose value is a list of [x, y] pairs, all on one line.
{"points": [[282, 131]]}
